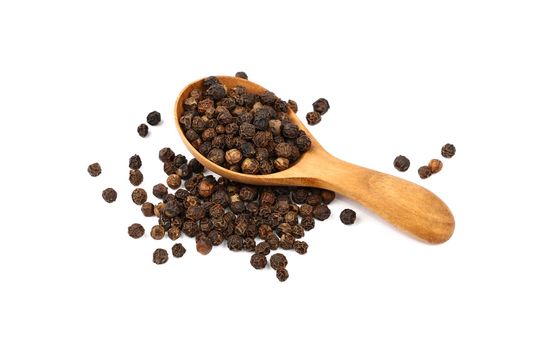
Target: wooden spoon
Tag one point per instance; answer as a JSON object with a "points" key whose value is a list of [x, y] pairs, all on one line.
{"points": [[408, 206]]}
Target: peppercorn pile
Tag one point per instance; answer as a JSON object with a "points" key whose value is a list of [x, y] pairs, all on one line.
{"points": [[242, 131]]}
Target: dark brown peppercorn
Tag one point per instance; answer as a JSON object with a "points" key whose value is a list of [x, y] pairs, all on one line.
{"points": [[109, 195], [139, 196], [258, 261], [321, 212], [313, 118], [147, 209], [293, 106], [448, 150], [233, 156], [308, 223], [178, 250], [166, 155], [157, 232], [153, 118], [94, 169], [347, 216], [135, 162], [401, 163], [235, 242], [301, 247], [435, 165], [287, 241], [249, 244], [321, 106], [205, 188], [327, 196], [136, 231], [174, 181], [142, 130], [424, 172], [195, 166], [262, 248], [278, 261], [282, 275], [216, 156], [203, 245], [273, 241], [241, 75], [135, 177], [250, 166], [160, 191], [174, 233]]}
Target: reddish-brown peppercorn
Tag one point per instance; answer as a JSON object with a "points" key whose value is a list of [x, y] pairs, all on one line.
{"points": [[174, 233], [135, 177], [157, 232], [109, 195], [166, 155], [435, 165], [147, 209], [94, 169], [136, 231], [424, 172], [203, 245], [174, 181]]}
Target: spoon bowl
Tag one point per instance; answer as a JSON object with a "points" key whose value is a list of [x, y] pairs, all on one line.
{"points": [[409, 207]]}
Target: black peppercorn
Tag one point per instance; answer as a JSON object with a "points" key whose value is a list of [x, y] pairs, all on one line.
{"points": [[174, 233], [160, 191], [136, 231], [321, 106], [327, 196], [135, 162], [321, 212], [139, 196], [262, 248], [258, 261], [293, 106], [435, 165], [282, 275], [347, 216], [448, 150], [94, 169], [424, 172], [142, 130], [109, 195], [166, 155], [157, 232], [235, 243], [174, 181], [241, 75], [278, 261], [401, 163], [153, 118], [135, 177], [313, 118], [147, 209], [178, 250], [203, 245], [301, 247]]}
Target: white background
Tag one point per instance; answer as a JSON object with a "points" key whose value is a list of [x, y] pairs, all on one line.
{"points": [[401, 76]]}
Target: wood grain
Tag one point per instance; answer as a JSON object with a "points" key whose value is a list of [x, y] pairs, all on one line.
{"points": [[408, 206]]}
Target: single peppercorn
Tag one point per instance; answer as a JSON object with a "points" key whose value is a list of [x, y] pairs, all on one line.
{"points": [[424, 172], [262, 248], [241, 75], [282, 275], [203, 245], [327, 196], [401, 163], [313, 118], [135, 162], [157, 232], [347, 216], [147, 209], [448, 150], [235, 242], [160, 191], [301, 247], [435, 165], [174, 233], [153, 118], [160, 256], [94, 169], [321, 212], [136, 231], [321, 106], [195, 166], [233, 156], [258, 261], [308, 223], [250, 166], [278, 261], [135, 177], [142, 130], [293, 106], [139, 196], [178, 250], [174, 181], [166, 155], [109, 195]]}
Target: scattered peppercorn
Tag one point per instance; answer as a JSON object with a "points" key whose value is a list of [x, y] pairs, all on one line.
{"points": [[135, 162], [142, 130], [241, 75], [109, 195], [258, 261], [424, 172], [301, 247], [313, 118], [157, 232], [160, 256], [278, 261], [435, 165], [160, 191], [139, 196], [174, 233], [401, 163], [282, 275], [147, 209], [293, 106], [166, 155], [321, 212], [347, 216], [153, 118], [321, 106], [178, 250], [204, 245], [136, 231], [135, 177], [448, 150], [94, 169], [174, 181], [262, 248]]}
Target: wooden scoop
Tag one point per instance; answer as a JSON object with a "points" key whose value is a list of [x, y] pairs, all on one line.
{"points": [[408, 206]]}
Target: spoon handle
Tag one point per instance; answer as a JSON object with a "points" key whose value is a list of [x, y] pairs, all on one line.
{"points": [[406, 205]]}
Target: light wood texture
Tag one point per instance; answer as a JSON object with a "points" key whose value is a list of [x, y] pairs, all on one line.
{"points": [[409, 207]]}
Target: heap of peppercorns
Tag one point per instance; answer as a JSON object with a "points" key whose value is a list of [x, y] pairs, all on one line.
{"points": [[255, 219], [241, 131]]}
